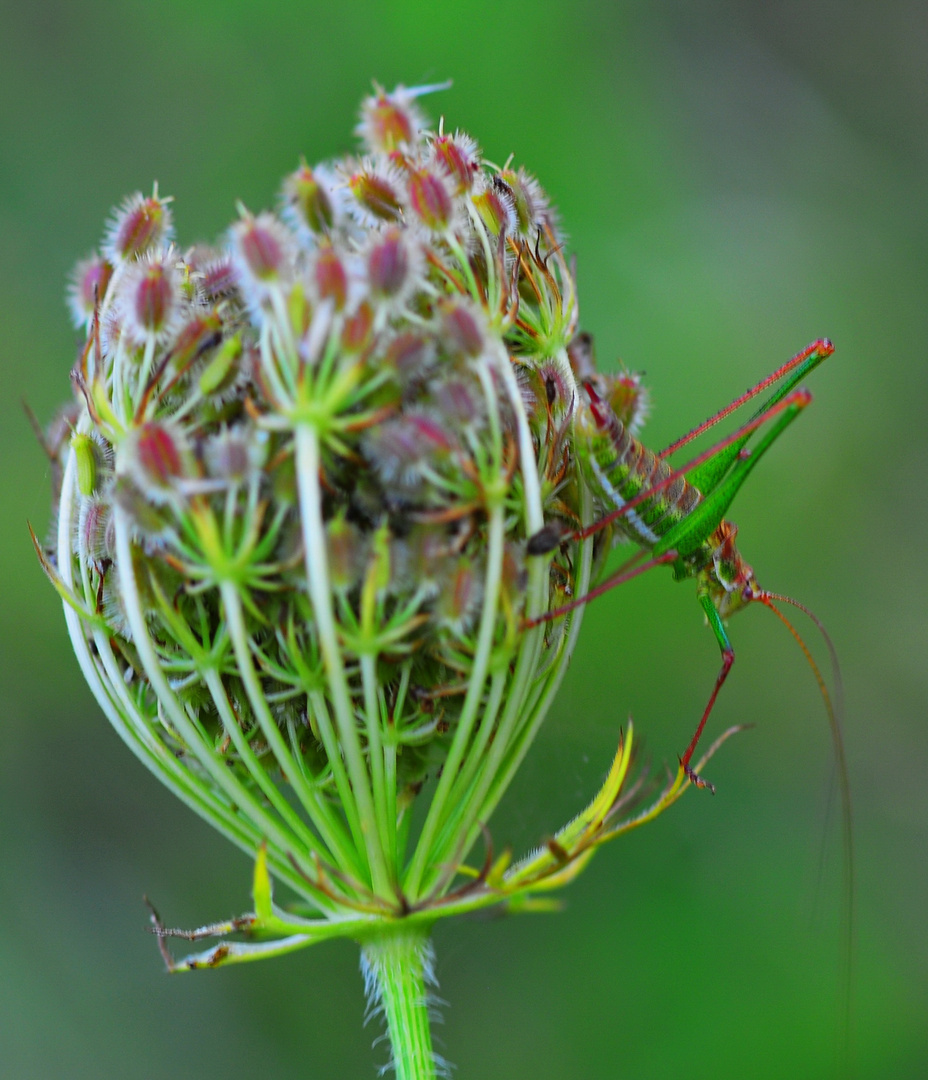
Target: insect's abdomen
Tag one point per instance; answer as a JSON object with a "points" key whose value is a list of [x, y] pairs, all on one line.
{"points": [[619, 467]]}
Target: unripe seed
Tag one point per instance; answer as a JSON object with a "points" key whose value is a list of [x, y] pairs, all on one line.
{"points": [[309, 200], [496, 207], [390, 121], [458, 402], [430, 200], [409, 353], [218, 279], [235, 455], [458, 155], [398, 448], [149, 299], [94, 541], [89, 282], [529, 200], [376, 194], [388, 264], [462, 328], [331, 278], [153, 300], [261, 247], [155, 454], [139, 226], [158, 454], [263, 257], [356, 334]]}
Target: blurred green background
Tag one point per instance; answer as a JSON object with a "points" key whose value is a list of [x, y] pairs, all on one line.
{"points": [[736, 180]]}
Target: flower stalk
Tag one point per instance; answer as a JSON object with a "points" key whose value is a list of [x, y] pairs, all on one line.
{"points": [[398, 971]]}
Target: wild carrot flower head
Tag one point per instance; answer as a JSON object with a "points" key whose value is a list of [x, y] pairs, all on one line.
{"points": [[294, 511]]}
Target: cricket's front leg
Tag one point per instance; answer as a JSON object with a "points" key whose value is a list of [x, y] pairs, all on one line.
{"points": [[728, 658]]}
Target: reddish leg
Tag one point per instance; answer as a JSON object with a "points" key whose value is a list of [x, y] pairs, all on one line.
{"points": [[625, 573], [728, 658], [550, 536], [799, 399], [811, 355]]}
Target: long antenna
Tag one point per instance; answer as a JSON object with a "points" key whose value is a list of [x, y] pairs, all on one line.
{"points": [[826, 637], [834, 709]]}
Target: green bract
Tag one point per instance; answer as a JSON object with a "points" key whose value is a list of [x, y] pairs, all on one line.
{"points": [[293, 521]]}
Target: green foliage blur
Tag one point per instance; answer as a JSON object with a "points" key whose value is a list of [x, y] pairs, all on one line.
{"points": [[736, 179]]}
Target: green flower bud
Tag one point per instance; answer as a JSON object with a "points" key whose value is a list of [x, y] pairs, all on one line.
{"points": [[308, 198], [85, 458]]}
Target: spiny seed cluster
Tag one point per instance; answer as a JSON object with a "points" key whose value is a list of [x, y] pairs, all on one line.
{"points": [[412, 304]]}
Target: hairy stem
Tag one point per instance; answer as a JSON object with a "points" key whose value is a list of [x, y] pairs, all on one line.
{"points": [[397, 969]]}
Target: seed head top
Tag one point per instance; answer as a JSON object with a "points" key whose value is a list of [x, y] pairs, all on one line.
{"points": [[305, 468]]}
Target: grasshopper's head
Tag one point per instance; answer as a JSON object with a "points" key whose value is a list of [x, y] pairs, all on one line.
{"points": [[731, 580]]}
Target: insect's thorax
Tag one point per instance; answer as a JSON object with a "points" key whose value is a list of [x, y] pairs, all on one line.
{"points": [[723, 575]]}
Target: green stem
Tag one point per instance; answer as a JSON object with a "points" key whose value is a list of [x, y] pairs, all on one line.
{"points": [[317, 574], [397, 968], [470, 708], [520, 724]]}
